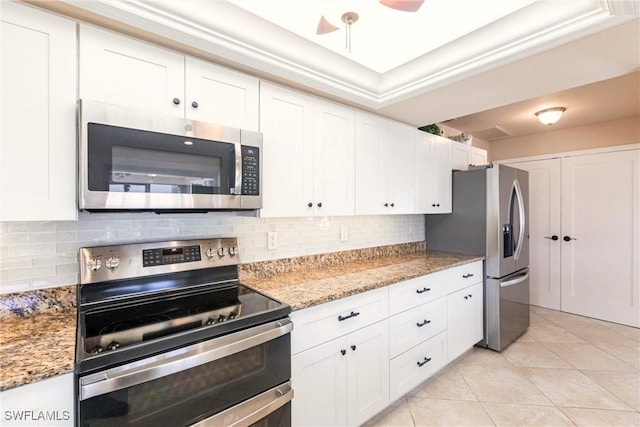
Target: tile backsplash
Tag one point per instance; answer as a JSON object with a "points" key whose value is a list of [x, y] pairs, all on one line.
{"points": [[36, 255]]}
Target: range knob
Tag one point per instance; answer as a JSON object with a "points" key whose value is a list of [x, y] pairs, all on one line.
{"points": [[233, 250], [221, 319], [94, 264], [222, 252], [112, 262], [210, 321], [232, 315], [113, 345], [210, 253]]}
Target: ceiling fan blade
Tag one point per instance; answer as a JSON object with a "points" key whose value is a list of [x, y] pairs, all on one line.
{"points": [[403, 5], [325, 26]]}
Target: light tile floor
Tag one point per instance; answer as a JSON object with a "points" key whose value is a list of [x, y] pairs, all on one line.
{"points": [[566, 370]]}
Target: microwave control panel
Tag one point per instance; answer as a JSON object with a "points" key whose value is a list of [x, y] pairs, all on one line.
{"points": [[250, 171]]}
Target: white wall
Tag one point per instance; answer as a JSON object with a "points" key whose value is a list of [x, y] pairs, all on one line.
{"points": [[37, 255]]}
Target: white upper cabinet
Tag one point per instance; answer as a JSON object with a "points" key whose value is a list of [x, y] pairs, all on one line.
{"points": [[371, 165], [37, 119], [334, 160], [286, 123], [308, 155], [119, 70], [466, 155], [219, 95], [432, 174], [384, 166]]}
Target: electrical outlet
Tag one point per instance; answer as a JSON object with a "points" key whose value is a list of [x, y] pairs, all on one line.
{"points": [[344, 233], [272, 240]]}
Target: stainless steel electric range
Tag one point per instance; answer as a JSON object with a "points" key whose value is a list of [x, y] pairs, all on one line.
{"points": [[167, 336]]}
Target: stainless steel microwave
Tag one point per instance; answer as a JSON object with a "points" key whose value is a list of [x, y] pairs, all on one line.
{"points": [[131, 160]]}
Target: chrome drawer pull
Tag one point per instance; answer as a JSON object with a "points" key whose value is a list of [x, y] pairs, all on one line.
{"points": [[353, 314], [466, 276], [420, 325], [423, 290], [424, 362]]}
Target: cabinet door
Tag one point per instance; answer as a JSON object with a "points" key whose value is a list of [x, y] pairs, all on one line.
{"points": [[399, 146], [544, 222], [220, 95], [423, 174], [319, 378], [334, 157], [474, 315], [367, 372], [478, 156], [464, 319], [441, 166], [286, 121], [54, 396], [37, 119], [371, 165], [461, 156], [119, 70], [600, 204]]}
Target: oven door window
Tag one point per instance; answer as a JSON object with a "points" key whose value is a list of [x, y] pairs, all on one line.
{"points": [[129, 160], [192, 395]]}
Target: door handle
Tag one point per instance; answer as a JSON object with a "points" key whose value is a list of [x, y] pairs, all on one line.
{"points": [[515, 281], [568, 239], [554, 237]]}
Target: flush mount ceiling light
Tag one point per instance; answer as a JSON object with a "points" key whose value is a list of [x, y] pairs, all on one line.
{"points": [[550, 116]]}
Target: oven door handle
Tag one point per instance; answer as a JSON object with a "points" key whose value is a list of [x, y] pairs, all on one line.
{"points": [[181, 359], [251, 411]]}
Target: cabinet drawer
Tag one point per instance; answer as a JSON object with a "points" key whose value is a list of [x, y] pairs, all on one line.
{"points": [[416, 365], [414, 292], [414, 326], [315, 325], [465, 275]]}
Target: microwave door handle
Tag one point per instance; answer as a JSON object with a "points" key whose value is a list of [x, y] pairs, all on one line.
{"points": [[238, 150]]}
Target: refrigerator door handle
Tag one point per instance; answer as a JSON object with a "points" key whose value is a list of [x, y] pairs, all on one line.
{"points": [[521, 232], [517, 280]]}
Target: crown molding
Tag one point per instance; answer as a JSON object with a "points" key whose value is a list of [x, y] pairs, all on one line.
{"points": [[227, 31]]}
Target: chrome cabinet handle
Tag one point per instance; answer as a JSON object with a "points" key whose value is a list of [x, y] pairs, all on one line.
{"points": [[353, 314], [343, 352], [568, 239], [176, 101], [353, 347], [423, 290], [466, 276], [425, 322], [554, 237]]}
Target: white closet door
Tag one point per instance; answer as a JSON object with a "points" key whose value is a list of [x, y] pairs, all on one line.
{"points": [[544, 223], [600, 203]]}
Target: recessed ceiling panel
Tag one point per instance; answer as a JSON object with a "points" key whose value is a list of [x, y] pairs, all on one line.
{"points": [[383, 38]]}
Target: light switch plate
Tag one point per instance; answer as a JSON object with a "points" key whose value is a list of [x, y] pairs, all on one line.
{"points": [[344, 233]]}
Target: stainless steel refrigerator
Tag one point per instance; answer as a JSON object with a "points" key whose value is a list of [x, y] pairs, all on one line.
{"points": [[490, 218]]}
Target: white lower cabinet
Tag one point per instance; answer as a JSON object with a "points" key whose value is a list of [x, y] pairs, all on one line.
{"points": [[464, 319], [44, 403], [344, 381], [416, 365], [352, 357]]}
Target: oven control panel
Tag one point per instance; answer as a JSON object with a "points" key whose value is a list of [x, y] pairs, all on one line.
{"points": [[173, 255], [101, 263]]}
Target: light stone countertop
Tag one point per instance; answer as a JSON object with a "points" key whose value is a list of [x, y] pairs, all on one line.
{"points": [[38, 328], [312, 286]]}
